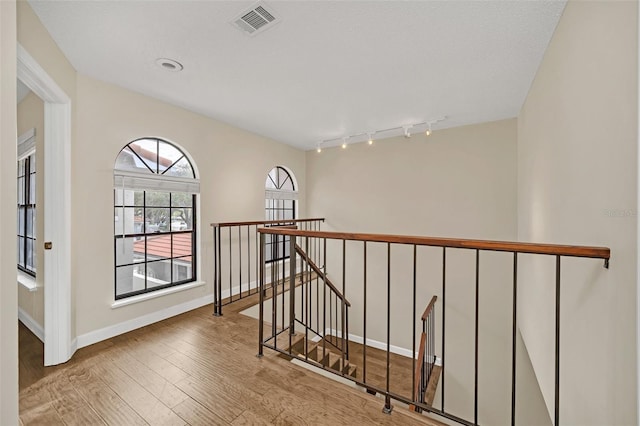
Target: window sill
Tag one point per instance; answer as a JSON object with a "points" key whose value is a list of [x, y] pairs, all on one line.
{"points": [[27, 281], [147, 296]]}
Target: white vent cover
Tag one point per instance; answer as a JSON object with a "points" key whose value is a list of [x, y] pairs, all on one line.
{"points": [[256, 19]]}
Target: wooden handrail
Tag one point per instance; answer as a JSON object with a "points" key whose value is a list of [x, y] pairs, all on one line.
{"points": [[505, 246], [317, 270], [429, 307], [265, 222]]}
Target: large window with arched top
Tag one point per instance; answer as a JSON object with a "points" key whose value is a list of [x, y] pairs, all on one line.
{"points": [[280, 204], [155, 189]]}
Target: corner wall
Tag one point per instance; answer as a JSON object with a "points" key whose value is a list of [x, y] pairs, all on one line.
{"points": [[577, 184]]}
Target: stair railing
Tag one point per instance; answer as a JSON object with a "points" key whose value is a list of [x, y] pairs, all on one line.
{"points": [[558, 252], [235, 253], [317, 309], [424, 363]]}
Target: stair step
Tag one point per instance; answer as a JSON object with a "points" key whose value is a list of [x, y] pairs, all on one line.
{"points": [[297, 342]]}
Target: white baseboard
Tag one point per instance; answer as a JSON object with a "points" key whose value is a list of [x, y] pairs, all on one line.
{"points": [[31, 324], [379, 345], [135, 323]]}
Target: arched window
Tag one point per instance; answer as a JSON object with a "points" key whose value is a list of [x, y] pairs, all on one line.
{"points": [[280, 204], [155, 190]]}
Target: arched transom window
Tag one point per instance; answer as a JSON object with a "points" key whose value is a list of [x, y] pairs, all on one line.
{"points": [[155, 190]]}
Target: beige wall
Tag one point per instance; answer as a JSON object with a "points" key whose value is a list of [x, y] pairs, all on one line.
{"points": [[459, 182], [577, 174], [8, 156], [31, 116], [232, 164]]}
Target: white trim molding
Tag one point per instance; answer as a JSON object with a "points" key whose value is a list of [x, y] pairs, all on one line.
{"points": [[58, 346], [147, 296], [31, 324], [135, 323]]}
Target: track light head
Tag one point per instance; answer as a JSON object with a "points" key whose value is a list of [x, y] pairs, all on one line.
{"points": [[407, 134], [370, 140]]}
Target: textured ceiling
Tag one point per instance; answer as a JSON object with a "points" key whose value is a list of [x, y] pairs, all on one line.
{"points": [[326, 70]]}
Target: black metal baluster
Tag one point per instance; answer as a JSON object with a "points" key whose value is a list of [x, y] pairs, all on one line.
{"points": [[324, 309], [274, 296], [557, 345], [475, 368], [387, 401], [261, 297], [343, 308], [513, 338], [230, 269], [220, 272], [364, 319], [249, 260], [259, 262], [444, 279], [413, 350], [240, 260], [215, 270]]}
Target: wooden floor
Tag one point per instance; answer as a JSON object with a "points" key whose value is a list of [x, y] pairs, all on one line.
{"points": [[193, 369]]}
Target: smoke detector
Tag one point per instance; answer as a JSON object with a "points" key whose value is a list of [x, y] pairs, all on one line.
{"points": [[256, 19]]}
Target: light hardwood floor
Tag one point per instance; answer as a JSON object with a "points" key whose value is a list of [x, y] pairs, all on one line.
{"points": [[193, 369]]}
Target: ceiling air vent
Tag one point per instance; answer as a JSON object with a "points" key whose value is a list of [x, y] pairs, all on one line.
{"points": [[256, 19]]}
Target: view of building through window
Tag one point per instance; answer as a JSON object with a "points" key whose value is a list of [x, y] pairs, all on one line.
{"points": [[154, 218]]}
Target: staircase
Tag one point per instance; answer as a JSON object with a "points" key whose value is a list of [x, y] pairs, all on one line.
{"points": [[321, 353]]}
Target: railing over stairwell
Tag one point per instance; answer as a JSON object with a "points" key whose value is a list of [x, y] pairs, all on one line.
{"points": [[236, 264], [476, 247]]}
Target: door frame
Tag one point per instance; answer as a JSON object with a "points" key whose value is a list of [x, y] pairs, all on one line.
{"points": [[58, 343]]}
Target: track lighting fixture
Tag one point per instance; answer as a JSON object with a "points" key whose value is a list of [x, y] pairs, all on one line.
{"points": [[404, 130]]}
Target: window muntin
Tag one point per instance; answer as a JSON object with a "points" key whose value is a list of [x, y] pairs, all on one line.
{"points": [[154, 229], [280, 204], [26, 235]]}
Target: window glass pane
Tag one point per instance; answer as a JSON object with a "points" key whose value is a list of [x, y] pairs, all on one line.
{"points": [[20, 251], [182, 269], [182, 245], [158, 247], [182, 219], [127, 160], [157, 199], [130, 279], [32, 163], [168, 155], [29, 246], [147, 150], [21, 199], [29, 227], [21, 226], [272, 179], [21, 168], [32, 188], [181, 199], [117, 197], [158, 273], [157, 219], [181, 169], [129, 250]]}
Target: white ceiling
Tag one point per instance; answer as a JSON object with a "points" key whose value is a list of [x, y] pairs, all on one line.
{"points": [[326, 70]]}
